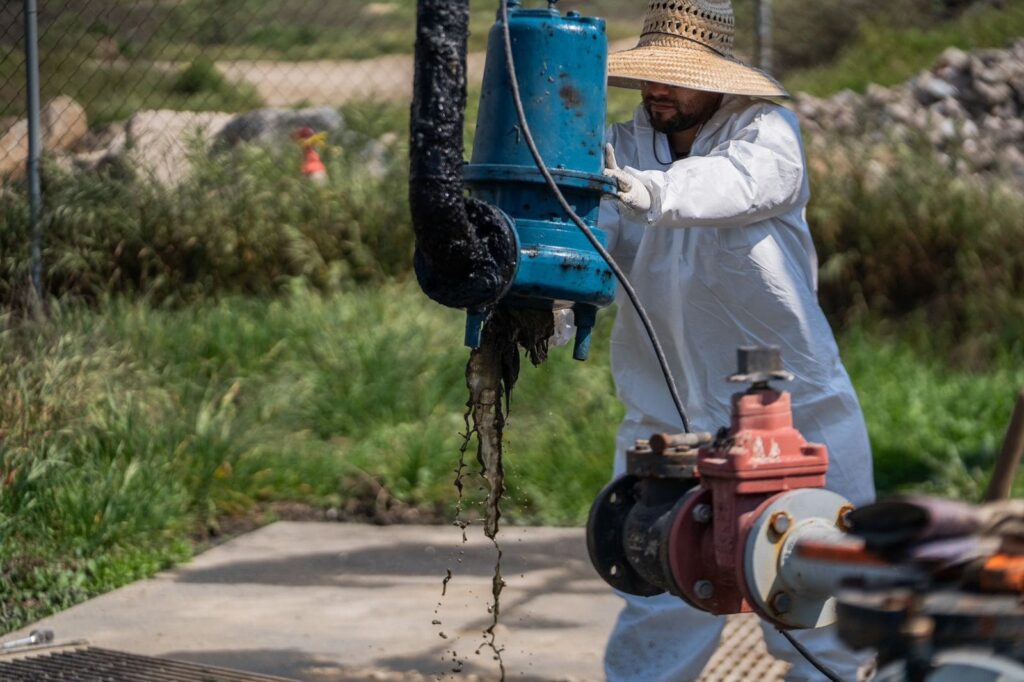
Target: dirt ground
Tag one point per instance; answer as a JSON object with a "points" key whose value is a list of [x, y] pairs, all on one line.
{"points": [[387, 78]]}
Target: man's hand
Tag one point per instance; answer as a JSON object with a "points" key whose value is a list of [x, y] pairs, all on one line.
{"points": [[631, 192]]}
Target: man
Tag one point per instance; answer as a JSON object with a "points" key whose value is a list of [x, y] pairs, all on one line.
{"points": [[709, 225]]}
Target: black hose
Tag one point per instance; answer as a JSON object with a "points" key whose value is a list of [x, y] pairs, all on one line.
{"points": [[619, 274], [821, 667], [465, 249]]}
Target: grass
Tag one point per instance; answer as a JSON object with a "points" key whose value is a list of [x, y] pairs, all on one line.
{"points": [[888, 54], [129, 429], [115, 91]]}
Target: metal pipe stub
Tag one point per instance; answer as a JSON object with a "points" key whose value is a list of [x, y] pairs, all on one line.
{"points": [[629, 523], [780, 585]]}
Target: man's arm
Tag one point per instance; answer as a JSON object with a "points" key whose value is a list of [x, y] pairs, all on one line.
{"points": [[755, 175]]}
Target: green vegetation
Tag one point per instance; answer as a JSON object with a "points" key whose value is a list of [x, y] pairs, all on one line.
{"points": [[900, 236], [129, 429], [889, 53], [161, 400], [113, 91], [245, 222], [248, 339]]}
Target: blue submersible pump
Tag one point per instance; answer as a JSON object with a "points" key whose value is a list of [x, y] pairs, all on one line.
{"points": [[511, 240]]}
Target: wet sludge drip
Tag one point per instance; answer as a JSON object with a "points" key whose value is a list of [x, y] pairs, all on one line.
{"points": [[491, 373]]}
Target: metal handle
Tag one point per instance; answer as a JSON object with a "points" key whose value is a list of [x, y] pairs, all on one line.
{"points": [[1009, 458]]}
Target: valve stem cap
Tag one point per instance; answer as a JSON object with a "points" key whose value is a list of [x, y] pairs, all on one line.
{"points": [[758, 364]]}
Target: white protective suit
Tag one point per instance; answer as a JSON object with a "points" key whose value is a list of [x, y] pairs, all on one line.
{"points": [[723, 259]]}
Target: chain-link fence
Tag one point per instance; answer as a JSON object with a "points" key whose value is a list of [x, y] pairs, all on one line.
{"points": [[109, 62], [157, 89]]}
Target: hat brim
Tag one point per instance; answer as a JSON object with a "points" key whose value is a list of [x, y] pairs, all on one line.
{"points": [[686, 64]]}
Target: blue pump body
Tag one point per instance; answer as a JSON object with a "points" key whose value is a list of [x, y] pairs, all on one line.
{"points": [[561, 65]]}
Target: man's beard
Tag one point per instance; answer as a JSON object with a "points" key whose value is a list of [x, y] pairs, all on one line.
{"points": [[682, 120]]}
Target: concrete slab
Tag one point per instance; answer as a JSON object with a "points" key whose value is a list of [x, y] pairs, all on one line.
{"points": [[331, 602]]}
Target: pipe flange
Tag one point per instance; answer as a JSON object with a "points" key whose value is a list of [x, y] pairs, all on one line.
{"points": [[605, 541], [779, 595]]}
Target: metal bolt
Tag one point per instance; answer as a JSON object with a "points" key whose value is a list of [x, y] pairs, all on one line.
{"points": [[780, 522], [843, 518], [920, 628], [702, 513], [781, 602], [704, 589]]}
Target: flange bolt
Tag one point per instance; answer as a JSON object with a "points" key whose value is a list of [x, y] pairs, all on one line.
{"points": [[781, 602], [702, 513], [780, 522], [704, 589], [843, 517]]}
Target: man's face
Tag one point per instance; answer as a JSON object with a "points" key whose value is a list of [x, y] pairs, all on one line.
{"points": [[673, 109]]}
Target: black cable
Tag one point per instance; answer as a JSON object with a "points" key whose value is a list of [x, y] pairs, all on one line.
{"points": [[630, 292], [822, 668]]}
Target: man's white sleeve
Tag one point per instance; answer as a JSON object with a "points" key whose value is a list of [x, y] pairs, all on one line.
{"points": [[755, 175]]}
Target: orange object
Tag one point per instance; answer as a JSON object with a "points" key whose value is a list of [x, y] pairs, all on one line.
{"points": [[851, 552], [1003, 573], [312, 166]]}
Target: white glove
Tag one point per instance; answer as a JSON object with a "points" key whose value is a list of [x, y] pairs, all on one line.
{"points": [[632, 192]]}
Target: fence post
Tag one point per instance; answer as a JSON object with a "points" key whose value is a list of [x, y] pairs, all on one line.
{"points": [[763, 36], [34, 145]]}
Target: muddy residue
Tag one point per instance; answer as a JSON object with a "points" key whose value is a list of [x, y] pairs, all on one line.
{"points": [[491, 373]]}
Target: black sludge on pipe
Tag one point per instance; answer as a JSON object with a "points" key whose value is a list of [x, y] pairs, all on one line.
{"points": [[465, 249]]}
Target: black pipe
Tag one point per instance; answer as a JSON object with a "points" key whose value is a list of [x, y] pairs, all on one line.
{"points": [[465, 249]]}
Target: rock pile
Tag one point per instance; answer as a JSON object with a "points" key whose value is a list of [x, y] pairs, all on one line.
{"points": [[160, 145], [968, 106]]}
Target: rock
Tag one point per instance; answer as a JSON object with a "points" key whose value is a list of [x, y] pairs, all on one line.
{"points": [[929, 88], [954, 58], [1011, 160], [14, 151], [275, 126], [980, 153], [878, 95], [64, 124], [160, 143], [950, 108], [997, 73], [102, 148], [969, 106]]}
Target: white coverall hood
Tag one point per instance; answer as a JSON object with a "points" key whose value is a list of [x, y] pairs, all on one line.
{"points": [[723, 259]]}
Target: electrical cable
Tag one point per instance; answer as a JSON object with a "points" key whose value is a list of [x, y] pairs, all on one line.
{"points": [[822, 668], [619, 274]]}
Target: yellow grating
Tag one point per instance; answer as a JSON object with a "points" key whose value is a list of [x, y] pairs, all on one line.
{"points": [[742, 656]]}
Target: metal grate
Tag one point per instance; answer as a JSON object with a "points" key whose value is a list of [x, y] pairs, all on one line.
{"points": [[92, 664], [742, 655]]}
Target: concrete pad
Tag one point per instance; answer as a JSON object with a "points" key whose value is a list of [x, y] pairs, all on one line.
{"points": [[330, 602], [317, 601]]}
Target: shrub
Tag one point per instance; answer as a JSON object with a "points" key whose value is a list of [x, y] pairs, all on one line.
{"points": [[900, 236], [246, 221], [199, 76]]}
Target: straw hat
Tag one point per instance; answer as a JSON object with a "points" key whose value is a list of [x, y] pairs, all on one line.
{"points": [[688, 43]]}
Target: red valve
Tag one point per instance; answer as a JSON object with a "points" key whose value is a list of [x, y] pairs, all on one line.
{"points": [[761, 456]]}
